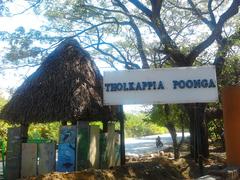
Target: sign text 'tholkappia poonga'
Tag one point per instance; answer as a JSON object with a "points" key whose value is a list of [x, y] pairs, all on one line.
{"points": [[160, 86]]}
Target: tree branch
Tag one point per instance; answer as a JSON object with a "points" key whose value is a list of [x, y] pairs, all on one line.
{"points": [[138, 36], [117, 11], [27, 9], [141, 7], [156, 7], [127, 63], [213, 20], [232, 10], [199, 14]]}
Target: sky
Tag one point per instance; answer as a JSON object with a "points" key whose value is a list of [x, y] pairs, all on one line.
{"points": [[12, 78]]}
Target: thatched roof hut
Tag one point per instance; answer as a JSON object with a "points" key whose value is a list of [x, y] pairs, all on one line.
{"points": [[66, 86]]}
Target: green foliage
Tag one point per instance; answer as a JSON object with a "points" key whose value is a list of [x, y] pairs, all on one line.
{"points": [[231, 72], [2, 102], [215, 129], [136, 126], [96, 123], [163, 114], [48, 131], [3, 125]]}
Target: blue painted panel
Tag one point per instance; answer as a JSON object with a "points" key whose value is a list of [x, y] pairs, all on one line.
{"points": [[67, 149], [66, 157], [68, 134]]}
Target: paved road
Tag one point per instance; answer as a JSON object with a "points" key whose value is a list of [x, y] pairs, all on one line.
{"points": [[1, 170], [147, 144]]}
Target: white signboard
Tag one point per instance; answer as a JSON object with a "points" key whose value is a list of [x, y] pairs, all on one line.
{"points": [[160, 86]]}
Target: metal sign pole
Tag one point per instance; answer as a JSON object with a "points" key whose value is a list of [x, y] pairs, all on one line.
{"points": [[122, 148], [199, 140]]}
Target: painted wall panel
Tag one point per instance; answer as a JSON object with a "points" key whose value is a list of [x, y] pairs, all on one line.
{"points": [[94, 147], [47, 158], [29, 160], [13, 154], [83, 145], [67, 149]]}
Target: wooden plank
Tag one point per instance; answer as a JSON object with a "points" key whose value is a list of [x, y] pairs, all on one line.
{"points": [[93, 154], [67, 149], [68, 134], [82, 145], [29, 160], [110, 149], [47, 158], [103, 146], [13, 154], [117, 149], [66, 157]]}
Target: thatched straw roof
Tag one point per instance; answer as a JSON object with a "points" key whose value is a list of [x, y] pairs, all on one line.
{"points": [[66, 86]]}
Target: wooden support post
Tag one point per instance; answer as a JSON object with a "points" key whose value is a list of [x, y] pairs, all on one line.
{"points": [[198, 140], [122, 137], [24, 132]]}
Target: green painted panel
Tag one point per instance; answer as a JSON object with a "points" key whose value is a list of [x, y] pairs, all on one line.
{"points": [[29, 160], [13, 154], [103, 155], [83, 141]]}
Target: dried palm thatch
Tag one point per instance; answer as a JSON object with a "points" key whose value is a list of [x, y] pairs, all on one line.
{"points": [[67, 86]]}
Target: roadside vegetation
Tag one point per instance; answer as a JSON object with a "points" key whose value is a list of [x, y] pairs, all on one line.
{"points": [[137, 126]]}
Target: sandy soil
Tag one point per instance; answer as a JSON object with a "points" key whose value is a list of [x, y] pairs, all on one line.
{"points": [[159, 165]]}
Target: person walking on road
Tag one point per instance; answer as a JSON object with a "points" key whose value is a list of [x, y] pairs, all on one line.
{"points": [[159, 142]]}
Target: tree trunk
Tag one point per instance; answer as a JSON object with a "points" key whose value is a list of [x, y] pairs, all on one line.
{"points": [[171, 128], [182, 139]]}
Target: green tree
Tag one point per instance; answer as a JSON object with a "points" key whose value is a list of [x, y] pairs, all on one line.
{"points": [[136, 126], [47, 131], [170, 116]]}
